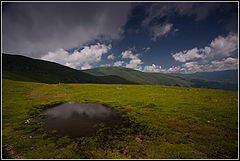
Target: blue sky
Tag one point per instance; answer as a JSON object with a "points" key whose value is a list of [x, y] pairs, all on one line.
{"points": [[150, 37]]}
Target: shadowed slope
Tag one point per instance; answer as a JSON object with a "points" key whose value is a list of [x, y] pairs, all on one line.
{"points": [[21, 68]]}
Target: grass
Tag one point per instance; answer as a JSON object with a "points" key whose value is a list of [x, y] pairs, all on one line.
{"points": [[173, 122]]}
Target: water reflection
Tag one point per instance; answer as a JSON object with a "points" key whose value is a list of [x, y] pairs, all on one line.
{"points": [[74, 119], [70, 109]]}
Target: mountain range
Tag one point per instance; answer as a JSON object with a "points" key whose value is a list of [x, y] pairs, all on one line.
{"points": [[227, 75], [198, 80], [21, 68]]}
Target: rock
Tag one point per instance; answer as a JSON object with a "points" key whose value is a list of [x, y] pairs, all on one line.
{"points": [[138, 140], [27, 121]]}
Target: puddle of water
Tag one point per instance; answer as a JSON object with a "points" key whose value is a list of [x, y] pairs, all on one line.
{"points": [[76, 120]]}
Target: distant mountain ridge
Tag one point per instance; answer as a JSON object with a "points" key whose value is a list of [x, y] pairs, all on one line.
{"points": [[21, 68], [226, 76], [162, 79]]}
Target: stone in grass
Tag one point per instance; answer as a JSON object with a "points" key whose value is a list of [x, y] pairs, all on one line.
{"points": [[138, 140], [27, 122]]}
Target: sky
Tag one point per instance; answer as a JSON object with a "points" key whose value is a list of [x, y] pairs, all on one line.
{"points": [[166, 37]]}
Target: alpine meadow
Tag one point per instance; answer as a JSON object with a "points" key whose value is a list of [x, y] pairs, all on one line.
{"points": [[120, 80]]}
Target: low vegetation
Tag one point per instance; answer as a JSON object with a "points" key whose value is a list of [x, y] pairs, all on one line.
{"points": [[161, 122]]}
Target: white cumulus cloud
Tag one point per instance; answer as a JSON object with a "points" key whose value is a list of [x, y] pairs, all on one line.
{"points": [[153, 68], [224, 46], [111, 56], [129, 54], [135, 61], [220, 47], [186, 55], [118, 63], [86, 66], [105, 65], [84, 58], [228, 63], [225, 64], [214, 65]]}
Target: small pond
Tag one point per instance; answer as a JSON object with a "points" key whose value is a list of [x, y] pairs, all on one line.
{"points": [[79, 119]]}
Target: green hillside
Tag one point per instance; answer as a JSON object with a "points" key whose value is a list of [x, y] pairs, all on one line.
{"points": [[160, 78], [21, 68], [138, 76]]}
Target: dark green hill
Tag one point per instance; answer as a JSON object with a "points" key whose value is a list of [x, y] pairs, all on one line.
{"points": [[21, 68], [161, 79]]}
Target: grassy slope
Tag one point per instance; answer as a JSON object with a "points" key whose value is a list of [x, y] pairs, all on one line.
{"points": [[16, 67], [137, 76], [161, 79], [174, 122]]}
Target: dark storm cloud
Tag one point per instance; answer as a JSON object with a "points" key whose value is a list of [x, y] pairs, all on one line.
{"points": [[159, 15], [200, 11], [33, 29], [231, 24]]}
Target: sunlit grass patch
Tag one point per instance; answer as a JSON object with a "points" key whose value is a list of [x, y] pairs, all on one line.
{"points": [[162, 122]]}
